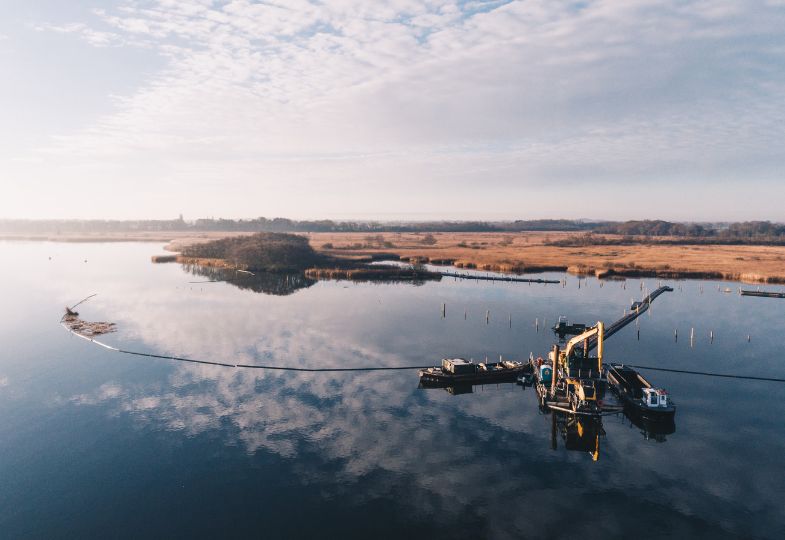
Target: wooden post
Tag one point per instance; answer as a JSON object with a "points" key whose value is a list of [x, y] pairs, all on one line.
{"points": [[600, 345], [487, 316]]}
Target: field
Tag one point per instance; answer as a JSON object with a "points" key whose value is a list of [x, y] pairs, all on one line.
{"points": [[529, 252]]}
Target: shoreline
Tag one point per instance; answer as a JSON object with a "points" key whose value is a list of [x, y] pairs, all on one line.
{"points": [[518, 253]]}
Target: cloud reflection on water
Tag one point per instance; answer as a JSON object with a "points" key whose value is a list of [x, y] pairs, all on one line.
{"points": [[489, 449]]}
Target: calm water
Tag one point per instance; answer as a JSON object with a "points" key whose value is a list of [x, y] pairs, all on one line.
{"points": [[96, 443]]}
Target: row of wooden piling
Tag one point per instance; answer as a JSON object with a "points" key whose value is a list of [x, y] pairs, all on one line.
{"points": [[537, 325]]}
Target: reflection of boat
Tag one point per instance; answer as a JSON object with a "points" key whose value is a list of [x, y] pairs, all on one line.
{"points": [[464, 388], [651, 429], [457, 371], [638, 394], [580, 434]]}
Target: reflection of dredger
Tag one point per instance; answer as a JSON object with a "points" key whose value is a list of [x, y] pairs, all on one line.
{"points": [[580, 434]]}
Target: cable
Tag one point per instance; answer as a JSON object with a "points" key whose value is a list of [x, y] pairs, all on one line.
{"points": [[728, 376]]}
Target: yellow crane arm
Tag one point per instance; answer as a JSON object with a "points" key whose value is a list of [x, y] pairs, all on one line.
{"points": [[599, 331]]}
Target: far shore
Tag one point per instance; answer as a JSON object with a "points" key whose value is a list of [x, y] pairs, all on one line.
{"points": [[508, 252]]}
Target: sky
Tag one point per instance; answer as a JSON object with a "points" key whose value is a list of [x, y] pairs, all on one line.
{"points": [[396, 109]]}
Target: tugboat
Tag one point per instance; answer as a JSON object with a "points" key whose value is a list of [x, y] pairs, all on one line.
{"points": [[458, 371], [639, 395], [564, 328]]}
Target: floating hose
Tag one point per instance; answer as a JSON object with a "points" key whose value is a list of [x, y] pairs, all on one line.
{"points": [[222, 364], [397, 368]]}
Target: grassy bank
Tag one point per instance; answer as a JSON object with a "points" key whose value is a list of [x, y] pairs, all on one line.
{"points": [[538, 252]]}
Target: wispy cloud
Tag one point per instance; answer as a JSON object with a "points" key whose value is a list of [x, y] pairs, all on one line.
{"points": [[91, 36], [521, 92]]}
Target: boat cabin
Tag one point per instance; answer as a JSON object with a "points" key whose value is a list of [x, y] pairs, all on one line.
{"points": [[458, 366], [655, 398]]}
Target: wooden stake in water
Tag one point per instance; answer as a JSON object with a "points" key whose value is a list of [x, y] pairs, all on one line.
{"points": [[510, 320], [692, 336], [464, 313], [676, 335], [537, 324], [711, 336], [444, 311], [487, 316]]}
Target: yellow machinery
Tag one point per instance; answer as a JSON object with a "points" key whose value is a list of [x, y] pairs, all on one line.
{"points": [[564, 364]]}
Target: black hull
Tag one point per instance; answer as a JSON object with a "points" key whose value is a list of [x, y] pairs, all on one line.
{"points": [[665, 415], [442, 380]]}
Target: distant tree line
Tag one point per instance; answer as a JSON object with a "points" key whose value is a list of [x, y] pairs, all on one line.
{"points": [[733, 233], [263, 224], [741, 232]]}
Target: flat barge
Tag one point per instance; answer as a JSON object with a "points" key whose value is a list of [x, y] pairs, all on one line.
{"points": [[459, 371], [639, 396], [763, 294]]}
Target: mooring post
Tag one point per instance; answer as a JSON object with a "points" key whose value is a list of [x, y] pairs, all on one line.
{"points": [[487, 316], [711, 336], [537, 324], [676, 335], [692, 336]]}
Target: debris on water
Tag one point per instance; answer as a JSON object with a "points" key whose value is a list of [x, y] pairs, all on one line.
{"points": [[87, 328], [72, 321]]}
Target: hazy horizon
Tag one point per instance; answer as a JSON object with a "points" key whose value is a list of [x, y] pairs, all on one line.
{"points": [[481, 110]]}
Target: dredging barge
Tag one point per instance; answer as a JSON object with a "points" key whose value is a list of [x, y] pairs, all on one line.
{"points": [[572, 381], [459, 371]]}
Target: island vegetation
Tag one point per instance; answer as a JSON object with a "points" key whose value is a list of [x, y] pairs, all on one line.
{"points": [[289, 253], [267, 252]]}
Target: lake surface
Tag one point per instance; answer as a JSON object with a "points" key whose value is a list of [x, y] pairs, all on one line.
{"points": [[101, 444]]}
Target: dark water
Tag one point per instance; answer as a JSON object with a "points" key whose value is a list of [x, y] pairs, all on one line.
{"points": [[99, 444]]}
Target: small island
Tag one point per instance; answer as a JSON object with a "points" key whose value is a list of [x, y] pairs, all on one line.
{"points": [[290, 253]]}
